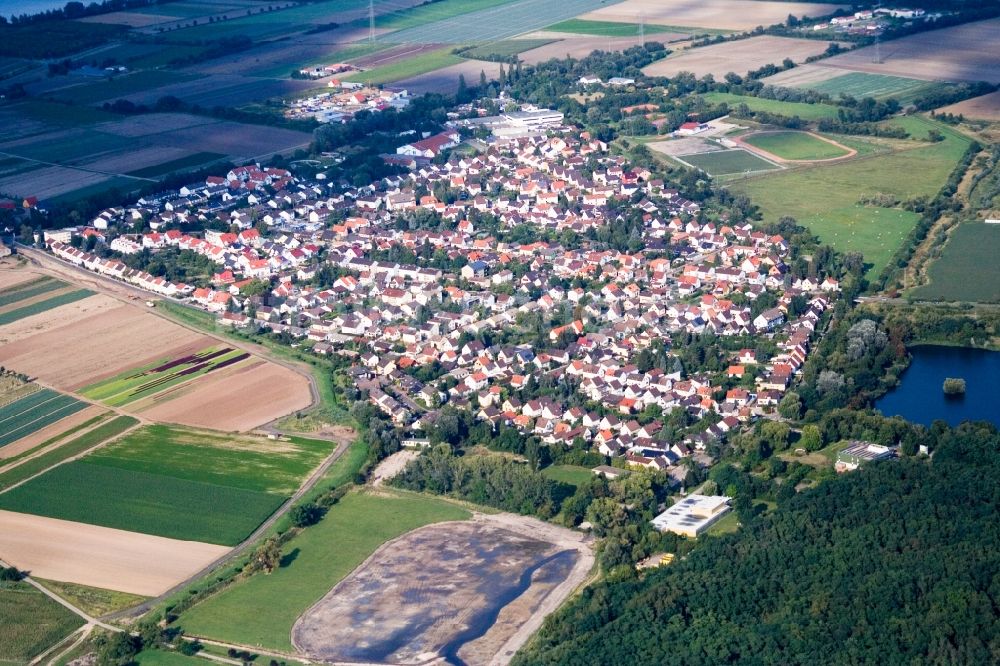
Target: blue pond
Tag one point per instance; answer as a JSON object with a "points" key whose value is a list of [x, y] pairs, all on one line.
{"points": [[919, 397]]}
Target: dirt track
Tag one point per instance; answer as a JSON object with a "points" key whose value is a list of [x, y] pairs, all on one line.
{"points": [[851, 152]]}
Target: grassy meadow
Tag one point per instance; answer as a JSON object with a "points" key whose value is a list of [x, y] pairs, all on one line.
{"points": [[92, 600], [30, 622], [261, 610], [804, 111], [968, 268]]}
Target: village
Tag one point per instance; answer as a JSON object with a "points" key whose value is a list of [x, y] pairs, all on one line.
{"points": [[472, 281]]}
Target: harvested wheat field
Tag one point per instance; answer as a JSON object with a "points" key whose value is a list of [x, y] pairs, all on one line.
{"points": [[48, 432], [249, 396], [739, 57], [967, 52], [78, 344], [11, 275], [719, 14], [985, 107], [112, 559]]}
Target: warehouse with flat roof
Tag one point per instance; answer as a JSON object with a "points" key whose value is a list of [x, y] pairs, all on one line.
{"points": [[692, 515]]}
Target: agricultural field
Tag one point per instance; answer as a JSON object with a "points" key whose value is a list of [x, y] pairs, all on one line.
{"points": [[32, 413], [15, 472], [30, 622], [99, 339], [580, 46], [609, 28], [739, 57], [247, 462], [727, 162], [967, 52], [855, 84], [41, 440], [985, 107], [438, 591], [491, 22], [140, 383], [99, 557], [28, 307], [967, 269], [805, 111], [827, 198], [407, 68], [120, 86], [505, 48], [446, 80], [795, 146], [731, 15], [261, 610]]}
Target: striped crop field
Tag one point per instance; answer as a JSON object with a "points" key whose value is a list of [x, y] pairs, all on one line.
{"points": [[8, 316], [32, 413], [143, 382], [27, 290]]}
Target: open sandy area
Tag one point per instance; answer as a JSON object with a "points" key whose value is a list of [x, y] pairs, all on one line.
{"points": [[392, 466], [986, 107], [98, 556], [81, 343], [48, 432], [720, 14], [740, 56], [12, 274], [251, 395], [470, 591], [968, 52]]}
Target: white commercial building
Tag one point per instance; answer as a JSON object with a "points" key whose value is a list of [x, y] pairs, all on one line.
{"points": [[692, 515]]}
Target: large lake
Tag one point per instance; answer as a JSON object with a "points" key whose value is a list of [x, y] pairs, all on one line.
{"points": [[919, 397]]}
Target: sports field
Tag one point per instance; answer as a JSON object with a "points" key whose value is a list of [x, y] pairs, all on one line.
{"points": [[794, 145], [727, 162], [261, 610], [34, 412], [791, 109], [826, 198], [30, 622], [968, 269]]}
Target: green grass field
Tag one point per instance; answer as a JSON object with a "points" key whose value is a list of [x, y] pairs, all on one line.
{"points": [[71, 448], [92, 600], [432, 12], [611, 28], [795, 146], [574, 475], [409, 67], [122, 184], [248, 463], [727, 162], [121, 86], [30, 622], [505, 48], [165, 658], [135, 384], [826, 198], [142, 502], [181, 163], [802, 110], [879, 86], [968, 268], [34, 412], [262, 609], [44, 305]]}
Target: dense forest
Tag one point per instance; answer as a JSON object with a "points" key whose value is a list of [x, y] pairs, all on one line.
{"points": [[895, 564]]}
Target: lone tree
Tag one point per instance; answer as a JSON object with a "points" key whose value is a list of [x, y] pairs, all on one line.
{"points": [[266, 558], [954, 386]]}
